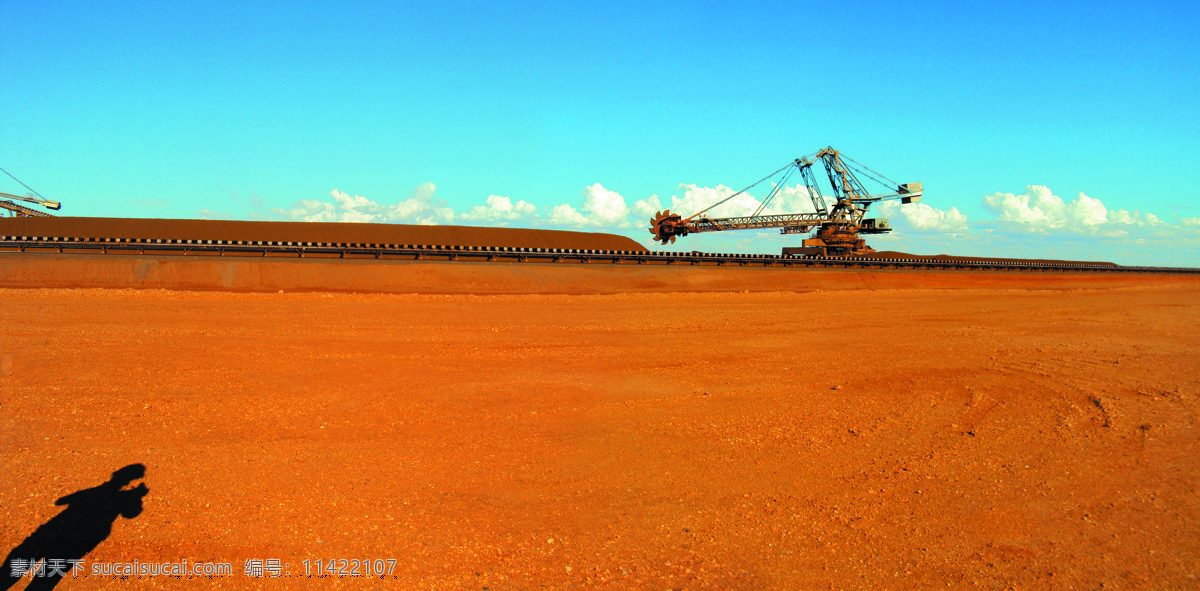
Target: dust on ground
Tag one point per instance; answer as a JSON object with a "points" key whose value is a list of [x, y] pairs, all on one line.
{"points": [[888, 439]]}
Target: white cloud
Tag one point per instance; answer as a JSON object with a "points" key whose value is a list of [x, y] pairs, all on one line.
{"points": [[922, 217], [925, 217], [793, 200], [1134, 218], [421, 208], [696, 198], [602, 208], [790, 199], [1036, 222], [644, 209], [208, 214], [565, 215], [1040, 211], [309, 210], [500, 210]]}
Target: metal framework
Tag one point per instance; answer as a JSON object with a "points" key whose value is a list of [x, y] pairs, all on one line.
{"points": [[837, 227], [16, 210]]}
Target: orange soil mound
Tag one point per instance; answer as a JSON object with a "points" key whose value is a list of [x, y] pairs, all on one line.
{"points": [[896, 439], [311, 232]]}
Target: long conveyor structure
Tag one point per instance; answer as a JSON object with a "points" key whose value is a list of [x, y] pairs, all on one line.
{"points": [[434, 252]]}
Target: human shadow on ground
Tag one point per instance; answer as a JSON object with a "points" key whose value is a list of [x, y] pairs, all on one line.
{"points": [[86, 522]]}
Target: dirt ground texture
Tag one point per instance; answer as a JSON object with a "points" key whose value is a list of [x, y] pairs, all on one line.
{"points": [[881, 439]]}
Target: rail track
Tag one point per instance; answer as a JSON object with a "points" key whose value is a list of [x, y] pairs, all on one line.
{"points": [[433, 252]]}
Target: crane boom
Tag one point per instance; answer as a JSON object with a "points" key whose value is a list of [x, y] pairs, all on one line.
{"points": [[751, 222], [17, 210], [838, 227], [48, 204]]}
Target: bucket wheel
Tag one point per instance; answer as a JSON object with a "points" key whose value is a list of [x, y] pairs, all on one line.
{"points": [[663, 226]]}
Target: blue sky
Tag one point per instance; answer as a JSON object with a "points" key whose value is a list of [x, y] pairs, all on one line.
{"points": [[571, 115]]}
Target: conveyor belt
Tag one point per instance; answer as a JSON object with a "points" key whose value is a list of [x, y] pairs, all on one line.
{"points": [[433, 252]]}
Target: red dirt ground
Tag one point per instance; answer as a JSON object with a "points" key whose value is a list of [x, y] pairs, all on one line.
{"points": [[988, 438]]}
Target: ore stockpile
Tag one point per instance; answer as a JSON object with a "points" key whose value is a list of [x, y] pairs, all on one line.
{"points": [[198, 235]]}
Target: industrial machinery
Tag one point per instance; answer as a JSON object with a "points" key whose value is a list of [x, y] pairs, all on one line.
{"points": [[837, 227], [18, 210]]}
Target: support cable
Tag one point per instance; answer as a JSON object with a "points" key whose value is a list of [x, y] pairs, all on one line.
{"points": [[774, 191], [875, 176], [23, 184], [743, 190]]}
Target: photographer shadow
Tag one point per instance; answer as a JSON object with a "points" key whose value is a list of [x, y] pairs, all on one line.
{"points": [[69, 536]]}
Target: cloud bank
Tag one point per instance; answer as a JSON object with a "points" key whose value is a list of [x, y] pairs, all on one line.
{"points": [[600, 208], [421, 209], [1040, 211], [1037, 219], [922, 217], [499, 211]]}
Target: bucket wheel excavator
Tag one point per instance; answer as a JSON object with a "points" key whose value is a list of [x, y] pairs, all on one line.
{"points": [[837, 227]]}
